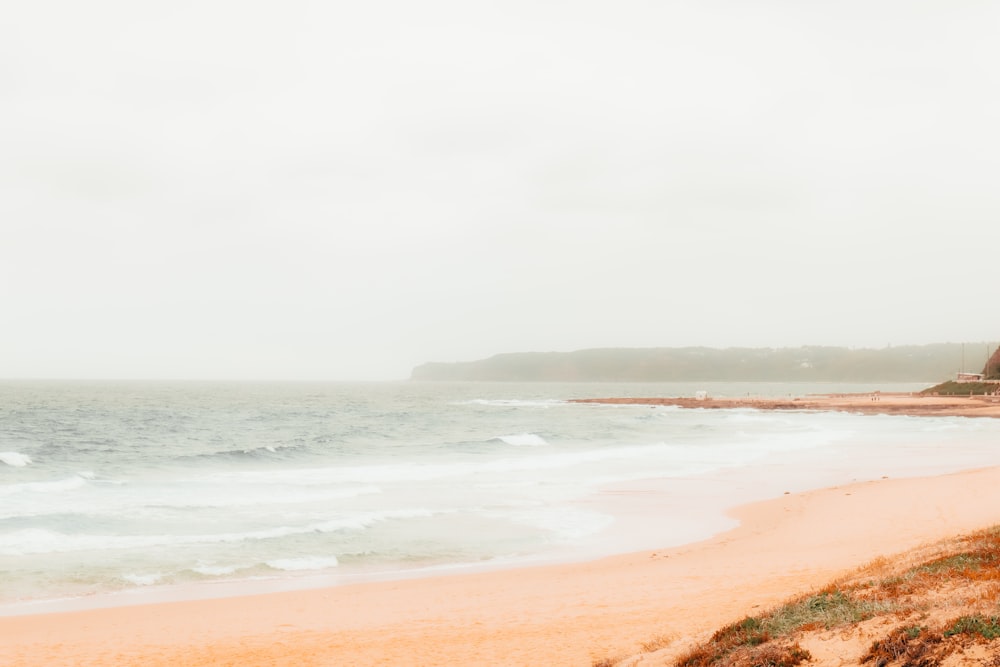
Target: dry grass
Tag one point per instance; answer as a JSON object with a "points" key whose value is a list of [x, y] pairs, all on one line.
{"points": [[606, 662], [738, 643], [658, 642], [906, 645], [946, 597], [916, 646]]}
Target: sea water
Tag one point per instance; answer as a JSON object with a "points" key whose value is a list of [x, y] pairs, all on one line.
{"points": [[107, 488]]}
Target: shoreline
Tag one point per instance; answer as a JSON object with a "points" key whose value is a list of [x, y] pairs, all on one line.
{"points": [[566, 614], [877, 403]]}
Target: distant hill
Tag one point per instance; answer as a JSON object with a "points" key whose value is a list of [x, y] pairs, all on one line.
{"points": [[908, 363]]}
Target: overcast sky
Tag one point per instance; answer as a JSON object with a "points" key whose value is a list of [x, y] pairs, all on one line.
{"points": [[344, 190]]}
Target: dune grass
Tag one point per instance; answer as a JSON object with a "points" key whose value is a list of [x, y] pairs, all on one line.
{"points": [[960, 575], [832, 607]]}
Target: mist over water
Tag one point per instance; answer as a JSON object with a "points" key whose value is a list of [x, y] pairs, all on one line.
{"points": [[109, 487]]}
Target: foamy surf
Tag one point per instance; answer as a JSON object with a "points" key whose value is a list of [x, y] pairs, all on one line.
{"points": [[15, 459], [111, 487], [303, 564], [523, 440], [214, 570], [37, 541], [143, 579], [45, 487]]}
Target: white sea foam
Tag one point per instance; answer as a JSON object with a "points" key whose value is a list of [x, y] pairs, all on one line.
{"points": [[523, 440], [42, 540], [231, 495], [214, 570], [15, 459], [54, 486], [143, 579], [386, 476], [753, 416], [367, 475], [305, 563], [565, 524]]}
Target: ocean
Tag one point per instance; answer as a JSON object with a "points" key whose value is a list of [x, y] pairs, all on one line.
{"points": [[112, 492]]}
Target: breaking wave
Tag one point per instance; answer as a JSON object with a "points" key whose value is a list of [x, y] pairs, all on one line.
{"points": [[53, 486], [43, 541], [250, 453], [300, 564], [15, 459], [522, 440]]}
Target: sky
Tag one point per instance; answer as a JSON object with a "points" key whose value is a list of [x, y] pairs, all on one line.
{"points": [[344, 190]]}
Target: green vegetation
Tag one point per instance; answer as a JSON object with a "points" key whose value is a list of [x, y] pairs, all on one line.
{"points": [[963, 563], [962, 575], [991, 371], [921, 646], [952, 388], [987, 627], [826, 609]]}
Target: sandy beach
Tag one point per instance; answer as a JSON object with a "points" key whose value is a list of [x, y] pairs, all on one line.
{"points": [[569, 614], [876, 403]]}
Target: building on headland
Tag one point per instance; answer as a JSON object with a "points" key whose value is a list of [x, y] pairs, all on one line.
{"points": [[990, 372]]}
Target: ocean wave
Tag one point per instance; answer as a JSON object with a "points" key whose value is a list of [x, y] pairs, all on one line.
{"points": [[53, 486], [31, 541], [214, 570], [143, 579], [15, 459], [304, 563], [680, 455], [513, 402], [522, 440], [389, 474], [226, 497], [262, 452], [372, 474]]}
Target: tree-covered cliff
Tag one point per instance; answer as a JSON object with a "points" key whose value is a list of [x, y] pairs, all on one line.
{"points": [[910, 363]]}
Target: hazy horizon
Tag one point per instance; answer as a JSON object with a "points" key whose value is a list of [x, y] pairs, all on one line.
{"points": [[223, 191], [974, 355]]}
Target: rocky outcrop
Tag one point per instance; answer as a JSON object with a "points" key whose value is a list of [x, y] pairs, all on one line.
{"points": [[992, 369]]}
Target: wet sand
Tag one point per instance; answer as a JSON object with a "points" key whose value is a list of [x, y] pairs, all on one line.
{"points": [[569, 614]]}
